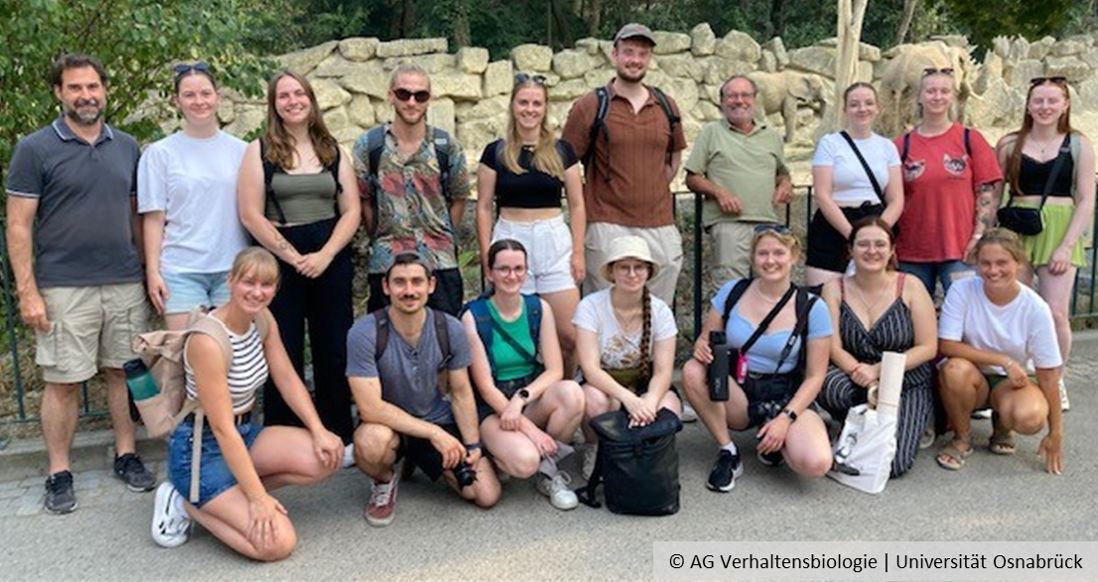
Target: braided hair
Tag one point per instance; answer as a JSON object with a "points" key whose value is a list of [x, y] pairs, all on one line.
{"points": [[646, 335]]}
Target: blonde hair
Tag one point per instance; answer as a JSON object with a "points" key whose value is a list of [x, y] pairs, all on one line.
{"points": [[257, 260], [546, 157], [787, 240], [1007, 239]]}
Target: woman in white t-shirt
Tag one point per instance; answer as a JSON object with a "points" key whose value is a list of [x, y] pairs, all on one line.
{"points": [[1001, 343], [186, 192], [843, 189], [625, 342]]}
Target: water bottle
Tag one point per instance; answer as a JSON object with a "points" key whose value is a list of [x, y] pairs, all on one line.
{"points": [[718, 369], [139, 380]]}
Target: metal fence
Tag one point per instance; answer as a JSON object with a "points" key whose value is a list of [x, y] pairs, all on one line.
{"points": [[12, 383]]}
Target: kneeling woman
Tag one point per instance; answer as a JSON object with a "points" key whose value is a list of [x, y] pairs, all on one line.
{"points": [[998, 334], [625, 343], [869, 325], [241, 461], [528, 412], [782, 376]]}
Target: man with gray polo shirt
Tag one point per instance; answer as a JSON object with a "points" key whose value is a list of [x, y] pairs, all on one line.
{"points": [[739, 166], [71, 190]]}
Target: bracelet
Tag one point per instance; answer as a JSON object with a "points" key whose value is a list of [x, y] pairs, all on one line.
{"points": [[469, 447], [789, 412]]}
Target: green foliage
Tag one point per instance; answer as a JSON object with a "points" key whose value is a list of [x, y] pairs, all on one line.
{"points": [[137, 40], [1027, 18]]}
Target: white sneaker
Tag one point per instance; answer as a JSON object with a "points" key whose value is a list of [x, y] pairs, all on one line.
{"points": [[556, 489], [688, 413], [590, 453], [1065, 404], [171, 526], [349, 456], [929, 436]]}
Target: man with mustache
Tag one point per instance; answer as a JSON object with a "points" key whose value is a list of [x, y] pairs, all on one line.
{"points": [[71, 204], [739, 166], [408, 367]]}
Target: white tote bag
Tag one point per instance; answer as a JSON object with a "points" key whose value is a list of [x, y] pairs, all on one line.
{"points": [[865, 449]]}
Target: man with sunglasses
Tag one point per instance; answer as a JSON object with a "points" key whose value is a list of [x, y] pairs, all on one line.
{"points": [[627, 188], [739, 166], [416, 185], [71, 190]]}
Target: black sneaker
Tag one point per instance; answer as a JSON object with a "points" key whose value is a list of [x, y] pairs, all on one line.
{"points": [[774, 459], [723, 476], [60, 497], [130, 469]]}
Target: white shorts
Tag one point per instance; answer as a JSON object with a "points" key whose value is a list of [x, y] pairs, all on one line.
{"points": [[548, 252]]}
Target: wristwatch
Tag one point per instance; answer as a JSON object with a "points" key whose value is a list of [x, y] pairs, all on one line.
{"points": [[789, 412], [524, 394], [469, 447]]}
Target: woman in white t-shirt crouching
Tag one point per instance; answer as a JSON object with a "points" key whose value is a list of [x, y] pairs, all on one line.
{"points": [[1001, 343]]}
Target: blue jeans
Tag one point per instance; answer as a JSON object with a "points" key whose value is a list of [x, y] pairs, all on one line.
{"points": [[946, 272]]}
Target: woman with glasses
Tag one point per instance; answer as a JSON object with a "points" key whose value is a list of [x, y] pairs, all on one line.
{"points": [[298, 196], [625, 342], [186, 192], [855, 174], [528, 412], [524, 175], [780, 337], [999, 337], [878, 310], [949, 175], [1050, 167]]}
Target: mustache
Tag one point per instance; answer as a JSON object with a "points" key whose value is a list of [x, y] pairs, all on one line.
{"points": [[410, 296], [86, 102]]}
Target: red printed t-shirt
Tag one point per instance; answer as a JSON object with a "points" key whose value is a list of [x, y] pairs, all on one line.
{"points": [[940, 182]]}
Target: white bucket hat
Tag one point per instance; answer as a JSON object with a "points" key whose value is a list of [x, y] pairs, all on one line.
{"points": [[628, 247]]}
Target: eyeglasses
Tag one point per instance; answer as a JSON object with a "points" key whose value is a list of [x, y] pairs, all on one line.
{"points": [[404, 95], [523, 78], [934, 71], [634, 269], [1058, 79], [508, 271], [775, 228], [740, 96]]}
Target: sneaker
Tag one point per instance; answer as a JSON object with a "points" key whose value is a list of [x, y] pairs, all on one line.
{"points": [[774, 459], [688, 412], [171, 526], [590, 454], [381, 508], [981, 414], [929, 436], [723, 476], [1065, 404], [130, 469], [60, 497], [349, 456], [556, 489]]}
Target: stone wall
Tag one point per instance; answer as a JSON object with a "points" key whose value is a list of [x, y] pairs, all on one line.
{"points": [[471, 92]]}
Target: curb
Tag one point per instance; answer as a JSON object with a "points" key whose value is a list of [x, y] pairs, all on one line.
{"points": [[91, 450]]}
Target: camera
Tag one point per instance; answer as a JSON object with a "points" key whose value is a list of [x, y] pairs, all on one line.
{"points": [[717, 374], [465, 474]]}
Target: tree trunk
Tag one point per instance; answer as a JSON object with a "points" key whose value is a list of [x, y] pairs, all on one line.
{"points": [[905, 22], [850, 19], [777, 18], [594, 17], [560, 22], [462, 36]]}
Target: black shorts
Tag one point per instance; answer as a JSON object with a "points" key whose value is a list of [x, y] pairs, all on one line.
{"points": [[827, 249], [423, 454]]}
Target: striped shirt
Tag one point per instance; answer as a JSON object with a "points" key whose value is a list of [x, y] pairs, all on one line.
{"points": [[247, 373]]}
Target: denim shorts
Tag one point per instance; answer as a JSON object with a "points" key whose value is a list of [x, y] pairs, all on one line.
{"points": [[189, 290], [214, 476]]}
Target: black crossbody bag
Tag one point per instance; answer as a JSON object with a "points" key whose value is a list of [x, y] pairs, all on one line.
{"points": [[1027, 221]]}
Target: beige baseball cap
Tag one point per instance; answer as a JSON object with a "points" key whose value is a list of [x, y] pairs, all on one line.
{"points": [[635, 30]]}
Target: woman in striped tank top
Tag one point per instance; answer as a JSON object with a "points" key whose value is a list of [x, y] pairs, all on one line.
{"points": [[242, 461], [874, 311]]}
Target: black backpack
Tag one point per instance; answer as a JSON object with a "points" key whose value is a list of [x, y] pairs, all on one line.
{"points": [[375, 146], [804, 299], [639, 466], [598, 127], [270, 169], [442, 334]]}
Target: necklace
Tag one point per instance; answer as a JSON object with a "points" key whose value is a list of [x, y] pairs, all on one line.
{"points": [[762, 296], [871, 306], [627, 320], [1044, 147]]}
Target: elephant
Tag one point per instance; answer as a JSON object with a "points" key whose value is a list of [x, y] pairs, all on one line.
{"points": [[784, 91], [900, 78]]}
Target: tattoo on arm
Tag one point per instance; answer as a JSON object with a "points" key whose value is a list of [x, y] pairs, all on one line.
{"points": [[986, 206]]}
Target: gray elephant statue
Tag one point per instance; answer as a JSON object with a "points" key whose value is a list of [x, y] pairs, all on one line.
{"points": [[900, 78], [785, 91]]}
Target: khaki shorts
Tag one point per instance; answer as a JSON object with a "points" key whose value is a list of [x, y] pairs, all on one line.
{"points": [[90, 327], [732, 249], [665, 242]]}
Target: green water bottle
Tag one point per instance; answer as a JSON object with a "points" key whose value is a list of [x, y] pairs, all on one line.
{"points": [[139, 380]]}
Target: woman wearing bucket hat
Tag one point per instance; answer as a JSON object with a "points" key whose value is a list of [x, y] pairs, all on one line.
{"points": [[625, 341]]}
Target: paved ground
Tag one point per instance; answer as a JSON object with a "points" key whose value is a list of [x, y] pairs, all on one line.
{"points": [[435, 536]]}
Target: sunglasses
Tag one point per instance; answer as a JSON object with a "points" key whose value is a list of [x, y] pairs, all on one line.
{"points": [[404, 95], [775, 228], [523, 78], [935, 71], [1058, 79], [184, 68]]}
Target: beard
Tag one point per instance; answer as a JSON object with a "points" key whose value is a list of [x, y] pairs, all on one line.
{"points": [[81, 113], [627, 75]]}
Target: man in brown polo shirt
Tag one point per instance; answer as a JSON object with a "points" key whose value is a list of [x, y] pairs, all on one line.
{"points": [[629, 168]]}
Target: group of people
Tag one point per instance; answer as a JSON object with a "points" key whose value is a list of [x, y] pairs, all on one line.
{"points": [[500, 385]]}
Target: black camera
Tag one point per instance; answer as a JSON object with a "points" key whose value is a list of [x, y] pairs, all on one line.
{"points": [[465, 474], [717, 374]]}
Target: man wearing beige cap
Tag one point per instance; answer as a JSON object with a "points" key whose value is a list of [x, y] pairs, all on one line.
{"points": [[630, 140]]}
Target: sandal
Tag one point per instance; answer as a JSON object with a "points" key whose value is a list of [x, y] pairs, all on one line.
{"points": [[952, 458], [1001, 443]]}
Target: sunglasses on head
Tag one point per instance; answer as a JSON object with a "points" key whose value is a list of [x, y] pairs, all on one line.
{"points": [[935, 71], [522, 78], [775, 228], [404, 95], [184, 68], [1058, 79]]}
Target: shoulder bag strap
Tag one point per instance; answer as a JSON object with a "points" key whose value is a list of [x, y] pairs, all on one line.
{"points": [[765, 323], [799, 329], [865, 166], [1061, 155]]}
